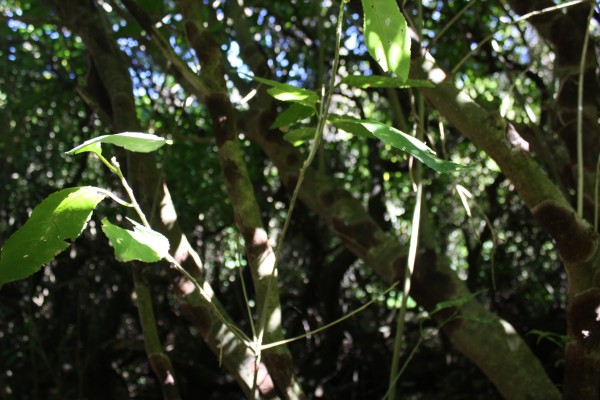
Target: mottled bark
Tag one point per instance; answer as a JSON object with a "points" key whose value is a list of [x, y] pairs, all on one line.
{"points": [[87, 21], [565, 32], [492, 344], [159, 361], [575, 240], [260, 255]]}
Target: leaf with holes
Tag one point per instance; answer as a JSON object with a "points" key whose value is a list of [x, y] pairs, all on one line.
{"points": [[386, 36], [133, 141], [53, 224], [141, 244]]}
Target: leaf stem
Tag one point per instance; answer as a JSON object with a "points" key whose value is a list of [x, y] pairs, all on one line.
{"points": [[329, 325], [112, 168], [134, 203], [324, 111], [325, 103], [114, 197]]}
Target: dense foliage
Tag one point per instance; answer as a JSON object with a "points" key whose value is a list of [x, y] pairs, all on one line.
{"points": [[504, 298]]}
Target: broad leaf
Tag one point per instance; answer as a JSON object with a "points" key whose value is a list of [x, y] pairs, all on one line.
{"points": [[386, 36], [53, 224], [300, 135], [132, 141], [400, 140], [378, 81], [350, 125], [289, 93], [294, 113], [455, 302], [142, 244]]}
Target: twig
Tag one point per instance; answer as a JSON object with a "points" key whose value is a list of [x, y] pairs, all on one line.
{"points": [[580, 116], [522, 18], [329, 325]]}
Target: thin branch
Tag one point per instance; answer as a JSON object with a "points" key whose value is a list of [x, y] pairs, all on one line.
{"points": [[522, 18], [580, 116], [114, 197], [234, 329], [329, 325], [450, 23], [158, 359], [412, 250], [320, 128]]}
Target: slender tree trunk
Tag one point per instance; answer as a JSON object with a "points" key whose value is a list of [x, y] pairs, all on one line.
{"points": [[112, 97]]}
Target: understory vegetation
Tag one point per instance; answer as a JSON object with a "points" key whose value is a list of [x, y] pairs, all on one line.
{"points": [[356, 199]]}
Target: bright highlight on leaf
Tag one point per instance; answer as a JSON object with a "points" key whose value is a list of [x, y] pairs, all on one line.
{"points": [[350, 125], [132, 141], [53, 224], [399, 140], [300, 135], [386, 36], [141, 244], [377, 81], [296, 112], [289, 93]]}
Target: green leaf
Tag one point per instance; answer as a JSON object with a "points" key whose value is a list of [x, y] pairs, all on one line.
{"points": [[132, 141], [555, 338], [58, 219], [142, 244], [404, 142], [294, 113], [455, 302], [386, 36], [289, 93], [377, 81], [350, 125], [300, 135]]}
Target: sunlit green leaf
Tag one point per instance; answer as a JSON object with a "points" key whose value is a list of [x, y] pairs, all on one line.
{"points": [[399, 140], [300, 135], [141, 244], [350, 125], [132, 141], [294, 113], [386, 36], [53, 224], [290, 93], [378, 81]]}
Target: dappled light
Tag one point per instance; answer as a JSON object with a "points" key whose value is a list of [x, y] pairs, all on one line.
{"points": [[349, 199]]}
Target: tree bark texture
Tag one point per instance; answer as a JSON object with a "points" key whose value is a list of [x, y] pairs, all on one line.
{"points": [[575, 239], [492, 344], [116, 94], [565, 32], [241, 194]]}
